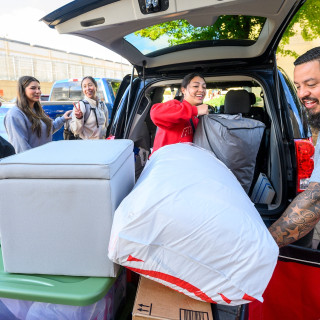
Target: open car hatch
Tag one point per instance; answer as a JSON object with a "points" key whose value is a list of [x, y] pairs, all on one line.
{"points": [[180, 31]]}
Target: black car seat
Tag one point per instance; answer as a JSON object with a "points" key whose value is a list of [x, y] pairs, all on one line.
{"points": [[143, 141], [257, 113], [242, 101], [179, 95], [237, 101], [156, 97]]}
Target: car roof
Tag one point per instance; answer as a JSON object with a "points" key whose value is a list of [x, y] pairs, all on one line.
{"points": [[80, 78], [114, 24]]}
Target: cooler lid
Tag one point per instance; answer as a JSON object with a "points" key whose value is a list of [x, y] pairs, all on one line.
{"points": [[72, 159]]}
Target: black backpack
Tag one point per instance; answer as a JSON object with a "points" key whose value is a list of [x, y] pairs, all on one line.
{"points": [[6, 148], [67, 133]]}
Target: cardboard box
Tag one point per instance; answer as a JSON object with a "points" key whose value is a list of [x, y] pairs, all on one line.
{"points": [[156, 301]]}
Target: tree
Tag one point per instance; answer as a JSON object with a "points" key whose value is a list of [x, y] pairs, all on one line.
{"points": [[226, 27], [239, 27], [306, 22]]}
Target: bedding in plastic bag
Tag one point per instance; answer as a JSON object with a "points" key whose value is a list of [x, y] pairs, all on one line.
{"points": [[234, 140], [189, 225]]}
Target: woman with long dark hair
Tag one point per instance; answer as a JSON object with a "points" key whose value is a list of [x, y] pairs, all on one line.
{"points": [[177, 121], [26, 123], [90, 115]]}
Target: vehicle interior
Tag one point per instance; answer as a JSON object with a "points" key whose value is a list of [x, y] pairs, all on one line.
{"points": [[256, 107]]}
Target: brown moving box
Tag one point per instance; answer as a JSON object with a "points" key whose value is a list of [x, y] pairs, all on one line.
{"points": [[156, 301]]}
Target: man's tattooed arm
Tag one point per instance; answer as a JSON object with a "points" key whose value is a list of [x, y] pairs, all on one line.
{"points": [[299, 218]]}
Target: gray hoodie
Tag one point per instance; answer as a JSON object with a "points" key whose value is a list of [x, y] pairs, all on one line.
{"points": [[19, 130]]}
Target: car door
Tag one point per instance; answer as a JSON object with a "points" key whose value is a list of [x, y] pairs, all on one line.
{"points": [[293, 291]]}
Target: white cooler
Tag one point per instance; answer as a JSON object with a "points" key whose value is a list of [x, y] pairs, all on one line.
{"points": [[57, 203]]}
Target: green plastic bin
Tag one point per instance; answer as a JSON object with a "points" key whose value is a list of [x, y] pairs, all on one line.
{"points": [[75, 291], [63, 290]]}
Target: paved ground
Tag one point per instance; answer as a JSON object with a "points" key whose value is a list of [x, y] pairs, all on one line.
{"points": [[316, 236], [228, 313]]}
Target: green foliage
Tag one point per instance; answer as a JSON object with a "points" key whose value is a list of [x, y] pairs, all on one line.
{"points": [[115, 87], [216, 101], [239, 27], [226, 27], [306, 22], [219, 101]]}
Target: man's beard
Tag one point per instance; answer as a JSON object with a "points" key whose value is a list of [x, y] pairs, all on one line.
{"points": [[314, 119]]}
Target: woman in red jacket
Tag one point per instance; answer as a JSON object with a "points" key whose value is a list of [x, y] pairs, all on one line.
{"points": [[176, 121]]}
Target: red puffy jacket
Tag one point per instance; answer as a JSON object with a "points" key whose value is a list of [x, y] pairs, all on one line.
{"points": [[173, 121]]}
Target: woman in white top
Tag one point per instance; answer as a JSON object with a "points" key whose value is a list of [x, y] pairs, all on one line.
{"points": [[92, 125]]}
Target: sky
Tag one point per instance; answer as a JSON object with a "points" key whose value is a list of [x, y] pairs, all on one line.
{"points": [[19, 20]]}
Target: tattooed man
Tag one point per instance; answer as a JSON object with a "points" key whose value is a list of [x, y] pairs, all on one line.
{"points": [[304, 211]]}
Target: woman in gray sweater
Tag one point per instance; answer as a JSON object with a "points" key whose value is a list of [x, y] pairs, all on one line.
{"points": [[26, 123]]}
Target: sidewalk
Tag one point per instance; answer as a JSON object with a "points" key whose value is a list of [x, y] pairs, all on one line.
{"points": [[316, 236], [228, 313]]}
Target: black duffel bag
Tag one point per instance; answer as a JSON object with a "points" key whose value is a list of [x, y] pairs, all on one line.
{"points": [[6, 148]]}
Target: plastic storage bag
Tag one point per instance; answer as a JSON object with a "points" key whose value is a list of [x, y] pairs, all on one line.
{"points": [[189, 224], [29, 310]]}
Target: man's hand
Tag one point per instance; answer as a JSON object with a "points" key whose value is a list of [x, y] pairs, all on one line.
{"points": [[299, 218]]}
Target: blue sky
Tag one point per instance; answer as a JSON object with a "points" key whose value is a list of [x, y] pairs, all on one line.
{"points": [[146, 45], [19, 20]]}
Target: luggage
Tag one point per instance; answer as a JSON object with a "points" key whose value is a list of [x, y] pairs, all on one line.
{"points": [[234, 140], [57, 203], [189, 225]]}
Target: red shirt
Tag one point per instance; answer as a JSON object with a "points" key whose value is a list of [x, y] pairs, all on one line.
{"points": [[173, 121]]}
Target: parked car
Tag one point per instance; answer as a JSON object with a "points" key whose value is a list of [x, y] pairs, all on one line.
{"points": [[4, 107], [246, 61], [44, 97]]}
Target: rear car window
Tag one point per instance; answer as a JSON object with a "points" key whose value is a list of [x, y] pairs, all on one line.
{"points": [[71, 91], [180, 34]]}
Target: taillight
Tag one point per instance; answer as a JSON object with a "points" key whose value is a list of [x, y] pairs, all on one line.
{"points": [[305, 164]]}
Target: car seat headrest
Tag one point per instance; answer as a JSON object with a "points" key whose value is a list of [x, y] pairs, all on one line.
{"points": [[237, 101], [157, 96], [253, 99]]}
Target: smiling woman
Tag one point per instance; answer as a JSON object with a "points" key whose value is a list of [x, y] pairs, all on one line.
{"points": [[26, 123], [177, 121], [90, 115]]}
